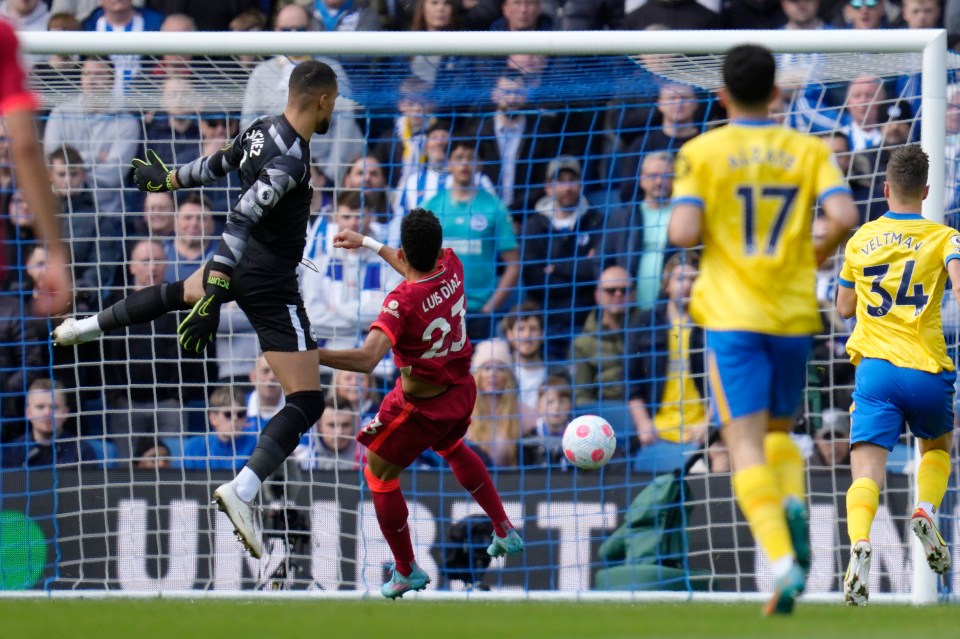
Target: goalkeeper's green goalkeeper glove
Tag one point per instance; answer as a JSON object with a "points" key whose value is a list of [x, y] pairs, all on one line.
{"points": [[200, 326], [152, 174]]}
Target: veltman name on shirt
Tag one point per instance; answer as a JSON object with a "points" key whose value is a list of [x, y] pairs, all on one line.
{"points": [[885, 239], [448, 288], [758, 155]]}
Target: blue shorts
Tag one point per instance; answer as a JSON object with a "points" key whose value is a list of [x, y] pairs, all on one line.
{"points": [[750, 372], [885, 396]]}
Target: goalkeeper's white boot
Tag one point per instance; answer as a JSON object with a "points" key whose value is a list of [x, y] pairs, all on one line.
{"points": [[935, 549], [240, 514], [856, 590], [72, 332]]}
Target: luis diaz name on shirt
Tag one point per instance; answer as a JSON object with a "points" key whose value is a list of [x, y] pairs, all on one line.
{"points": [[448, 288]]}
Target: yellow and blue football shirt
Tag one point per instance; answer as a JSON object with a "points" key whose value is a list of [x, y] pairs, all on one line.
{"points": [[756, 183], [897, 266]]}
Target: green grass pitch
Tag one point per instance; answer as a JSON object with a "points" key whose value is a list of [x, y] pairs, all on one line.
{"points": [[320, 619]]}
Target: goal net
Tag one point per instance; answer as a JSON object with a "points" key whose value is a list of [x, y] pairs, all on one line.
{"points": [[564, 145]]}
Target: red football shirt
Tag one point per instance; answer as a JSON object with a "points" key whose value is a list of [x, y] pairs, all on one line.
{"points": [[14, 94], [425, 321]]}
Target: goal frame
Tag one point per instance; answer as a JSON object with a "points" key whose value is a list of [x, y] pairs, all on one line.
{"points": [[931, 43]]}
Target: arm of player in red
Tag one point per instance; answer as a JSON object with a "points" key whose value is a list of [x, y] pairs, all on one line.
{"points": [[358, 360], [352, 240], [54, 288]]}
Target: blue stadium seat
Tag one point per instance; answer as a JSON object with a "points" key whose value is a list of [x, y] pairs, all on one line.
{"points": [[104, 449]]}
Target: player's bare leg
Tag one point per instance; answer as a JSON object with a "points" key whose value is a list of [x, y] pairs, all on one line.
{"points": [[383, 480], [299, 376], [932, 477], [868, 466], [473, 475], [758, 493], [139, 307]]}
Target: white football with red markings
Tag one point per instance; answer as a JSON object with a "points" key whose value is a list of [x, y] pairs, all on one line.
{"points": [[589, 442]]}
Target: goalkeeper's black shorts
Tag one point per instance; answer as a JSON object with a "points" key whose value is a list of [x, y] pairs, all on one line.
{"points": [[266, 288]]}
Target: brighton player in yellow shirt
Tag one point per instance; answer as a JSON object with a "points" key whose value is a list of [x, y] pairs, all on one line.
{"points": [[747, 191], [893, 280]]}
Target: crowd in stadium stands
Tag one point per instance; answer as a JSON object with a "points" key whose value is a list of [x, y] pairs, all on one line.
{"points": [[575, 302]]}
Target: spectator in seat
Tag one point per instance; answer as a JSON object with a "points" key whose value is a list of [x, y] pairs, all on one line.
{"points": [[865, 14], [801, 15], [92, 235], [149, 378], [673, 14], [343, 290], [151, 454], [345, 15], [869, 166], [45, 443], [191, 245], [560, 244], [365, 175], [331, 444], [403, 153], [251, 20], [122, 16], [232, 436], [523, 329], [174, 132], [516, 141], [495, 425], [267, 399], [439, 71], [205, 15], [27, 15], [542, 445], [600, 358], [59, 70], [267, 88], [861, 119], [159, 217], [477, 226], [666, 373], [920, 14], [105, 136], [677, 108], [831, 443], [635, 237], [522, 15], [431, 178], [360, 390]]}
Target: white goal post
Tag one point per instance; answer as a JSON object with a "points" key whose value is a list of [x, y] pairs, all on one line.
{"points": [[930, 45]]}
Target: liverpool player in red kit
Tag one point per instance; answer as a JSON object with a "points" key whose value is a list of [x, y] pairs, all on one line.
{"points": [[17, 106], [430, 407]]}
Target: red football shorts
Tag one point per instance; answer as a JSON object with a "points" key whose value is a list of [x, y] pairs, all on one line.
{"points": [[406, 426]]}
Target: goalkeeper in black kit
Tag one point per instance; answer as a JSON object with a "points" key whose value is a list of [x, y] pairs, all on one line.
{"points": [[255, 265]]}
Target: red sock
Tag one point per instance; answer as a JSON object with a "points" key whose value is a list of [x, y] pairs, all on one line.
{"points": [[469, 470], [391, 509]]}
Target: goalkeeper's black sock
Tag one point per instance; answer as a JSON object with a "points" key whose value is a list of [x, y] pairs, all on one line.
{"points": [[143, 306], [282, 433]]}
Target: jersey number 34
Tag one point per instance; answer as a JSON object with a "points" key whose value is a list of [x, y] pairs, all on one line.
{"points": [[905, 297]]}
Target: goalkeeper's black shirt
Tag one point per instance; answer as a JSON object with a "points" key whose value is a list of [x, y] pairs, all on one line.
{"points": [[273, 161]]}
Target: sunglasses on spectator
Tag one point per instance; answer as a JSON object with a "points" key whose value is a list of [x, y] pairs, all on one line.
{"points": [[294, 29], [613, 290], [215, 122], [856, 4], [234, 413]]}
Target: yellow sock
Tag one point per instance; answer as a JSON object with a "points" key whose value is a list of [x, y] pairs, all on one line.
{"points": [[761, 502], [863, 497], [785, 460], [932, 476]]}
